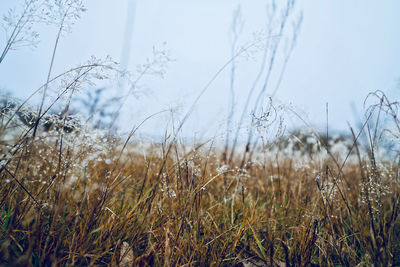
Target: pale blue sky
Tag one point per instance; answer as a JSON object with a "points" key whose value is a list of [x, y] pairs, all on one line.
{"points": [[345, 49]]}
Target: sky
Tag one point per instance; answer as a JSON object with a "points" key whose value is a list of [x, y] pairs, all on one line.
{"points": [[344, 50]]}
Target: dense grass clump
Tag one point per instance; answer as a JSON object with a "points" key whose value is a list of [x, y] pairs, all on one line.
{"points": [[85, 197]]}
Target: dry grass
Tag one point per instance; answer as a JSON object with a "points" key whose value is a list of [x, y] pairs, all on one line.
{"points": [[78, 200], [74, 196]]}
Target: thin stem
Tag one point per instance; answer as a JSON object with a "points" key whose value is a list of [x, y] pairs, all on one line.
{"points": [[50, 70]]}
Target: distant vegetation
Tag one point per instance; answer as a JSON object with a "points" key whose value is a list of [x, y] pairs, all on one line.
{"points": [[73, 192]]}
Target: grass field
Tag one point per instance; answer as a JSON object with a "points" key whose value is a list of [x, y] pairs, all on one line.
{"points": [[84, 197], [75, 194]]}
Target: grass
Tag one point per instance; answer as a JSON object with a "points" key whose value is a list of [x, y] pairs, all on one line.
{"points": [[72, 195], [75, 198]]}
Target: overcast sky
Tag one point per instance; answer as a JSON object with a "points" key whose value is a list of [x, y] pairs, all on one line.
{"points": [[344, 50]]}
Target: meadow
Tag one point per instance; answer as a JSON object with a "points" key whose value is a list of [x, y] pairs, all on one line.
{"points": [[86, 197], [75, 193]]}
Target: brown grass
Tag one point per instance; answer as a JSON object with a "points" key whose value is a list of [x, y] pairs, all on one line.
{"points": [[60, 205]]}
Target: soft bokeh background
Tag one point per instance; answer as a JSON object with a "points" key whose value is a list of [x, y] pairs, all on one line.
{"points": [[345, 49]]}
